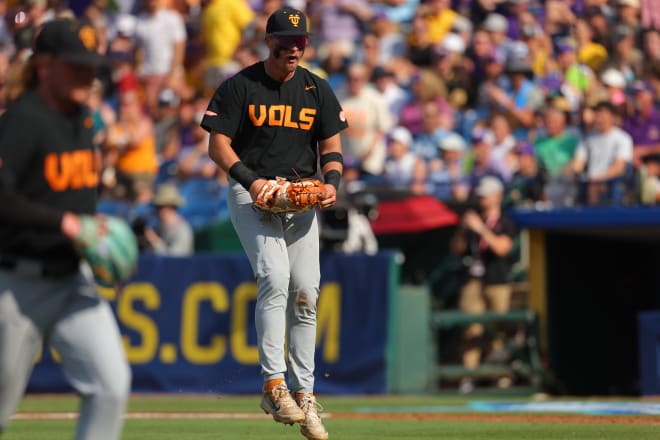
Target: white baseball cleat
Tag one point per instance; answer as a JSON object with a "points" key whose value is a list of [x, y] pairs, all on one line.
{"points": [[278, 403], [312, 427]]}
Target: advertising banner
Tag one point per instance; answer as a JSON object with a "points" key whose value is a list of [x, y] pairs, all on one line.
{"points": [[187, 325]]}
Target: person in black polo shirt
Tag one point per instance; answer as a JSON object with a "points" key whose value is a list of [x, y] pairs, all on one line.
{"points": [[484, 240], [48, 178]]}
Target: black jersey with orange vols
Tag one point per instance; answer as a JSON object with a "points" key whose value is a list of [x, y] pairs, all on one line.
{"points": [[275, 126], [47, 166]]}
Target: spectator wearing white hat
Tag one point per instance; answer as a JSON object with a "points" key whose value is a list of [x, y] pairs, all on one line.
{"points": [[404, 170], [615, 83], [628, 12], [446, 178], [497, 26], [463, 27]]}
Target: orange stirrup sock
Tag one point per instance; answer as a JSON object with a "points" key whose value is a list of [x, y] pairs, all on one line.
{"points": [[272, 383]]}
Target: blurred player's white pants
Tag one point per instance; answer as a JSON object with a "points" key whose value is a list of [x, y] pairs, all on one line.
{"points": [[67, 314]]}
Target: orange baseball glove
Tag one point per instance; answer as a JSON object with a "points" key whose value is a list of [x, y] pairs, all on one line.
{"points": [[281, 196]]}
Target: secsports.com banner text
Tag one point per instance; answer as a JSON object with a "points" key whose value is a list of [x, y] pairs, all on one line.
{"points": [[188, 326]]}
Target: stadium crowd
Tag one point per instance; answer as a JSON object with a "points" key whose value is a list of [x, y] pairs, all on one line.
{"points": [[555, 98]]}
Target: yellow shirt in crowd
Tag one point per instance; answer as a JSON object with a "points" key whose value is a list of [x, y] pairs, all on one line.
{"points": [[440, 25], [223, 22]]}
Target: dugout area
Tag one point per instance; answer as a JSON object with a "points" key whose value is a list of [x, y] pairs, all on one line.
{"points": [[592, 276], [593, 271]]}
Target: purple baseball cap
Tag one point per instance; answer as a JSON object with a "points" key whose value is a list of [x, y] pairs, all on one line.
{"points": [[478, 135], [641, 86], [566, 45], [497, 55], [525, 148]]}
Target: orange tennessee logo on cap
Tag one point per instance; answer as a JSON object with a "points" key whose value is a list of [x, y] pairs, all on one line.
{"points": [[294, 19], [88, 37]]}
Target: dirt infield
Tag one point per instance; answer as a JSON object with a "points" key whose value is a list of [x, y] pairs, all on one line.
{"points": [[472, 417]]}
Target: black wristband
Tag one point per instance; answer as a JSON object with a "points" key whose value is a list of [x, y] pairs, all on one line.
{"points": [[242, 174], [331, 157], [332, 177]]}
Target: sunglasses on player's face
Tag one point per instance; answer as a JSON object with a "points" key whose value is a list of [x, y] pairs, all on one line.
{"points": [[289, 42]]}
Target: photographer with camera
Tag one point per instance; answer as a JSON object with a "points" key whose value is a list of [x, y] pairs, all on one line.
{"points": [[484, 240]]}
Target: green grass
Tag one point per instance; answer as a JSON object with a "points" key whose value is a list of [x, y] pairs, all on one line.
{"points": [[231, 403], [341, 429]]}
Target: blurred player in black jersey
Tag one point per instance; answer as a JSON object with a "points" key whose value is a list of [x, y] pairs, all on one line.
{"points": [[48, 178], [277, 119]]}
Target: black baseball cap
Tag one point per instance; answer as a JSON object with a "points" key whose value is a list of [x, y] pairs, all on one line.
{"points": [[605, 104], [287, 22], [70, 41]]}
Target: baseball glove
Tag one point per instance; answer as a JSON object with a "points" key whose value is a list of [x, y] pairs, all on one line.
{"points": [[282, 196], [109, 245]]}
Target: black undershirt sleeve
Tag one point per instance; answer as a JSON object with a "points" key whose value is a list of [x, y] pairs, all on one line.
{"points": [[21, 211], [19, 141]]}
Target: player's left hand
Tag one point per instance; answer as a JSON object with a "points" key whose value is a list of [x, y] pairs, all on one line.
{"points": [[330, 197]]}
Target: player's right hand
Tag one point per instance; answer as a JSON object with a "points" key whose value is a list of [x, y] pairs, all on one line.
{"points": [[70, 225], [330, 197], [256, 188]]}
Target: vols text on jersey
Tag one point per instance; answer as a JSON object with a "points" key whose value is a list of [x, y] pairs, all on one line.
{"points": [[281, 115], [71, 170]]}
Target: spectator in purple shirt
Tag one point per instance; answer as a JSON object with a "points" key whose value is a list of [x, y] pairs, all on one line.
{"points": [[643, 124], [340, 19]]}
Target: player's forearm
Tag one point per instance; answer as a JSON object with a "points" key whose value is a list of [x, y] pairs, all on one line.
{"points": [[221, 152], [18, 210], [332, 160], [331, 146]]}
